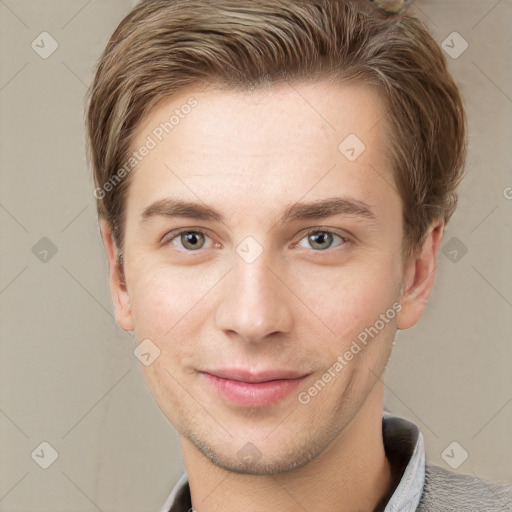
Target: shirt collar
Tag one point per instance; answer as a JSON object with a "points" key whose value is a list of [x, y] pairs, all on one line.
{"points": [[405, 450]]}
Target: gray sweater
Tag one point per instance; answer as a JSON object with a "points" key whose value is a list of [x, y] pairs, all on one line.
{"points": [[452, 492], [444, 491]]}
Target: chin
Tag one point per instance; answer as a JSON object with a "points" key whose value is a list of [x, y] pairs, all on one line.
{"points": [[265, 459]]}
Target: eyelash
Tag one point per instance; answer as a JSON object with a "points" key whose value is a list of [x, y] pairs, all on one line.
{"points": [[310, 231]]}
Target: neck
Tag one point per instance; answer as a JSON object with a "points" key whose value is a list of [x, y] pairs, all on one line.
{"points": [[352, 473]]}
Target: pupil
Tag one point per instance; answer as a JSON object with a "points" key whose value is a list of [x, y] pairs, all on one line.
{"points": [[319, 238], [192, 239]]}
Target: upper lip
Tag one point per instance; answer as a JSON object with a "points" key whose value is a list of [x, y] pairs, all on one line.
{"points": [[242, 375]]}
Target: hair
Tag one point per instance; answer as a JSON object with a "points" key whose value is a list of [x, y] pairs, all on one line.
{"points": [[162, 47]]}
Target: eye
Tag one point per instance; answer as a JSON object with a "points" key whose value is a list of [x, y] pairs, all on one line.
{"points": [[322, 239], [188, 240]]}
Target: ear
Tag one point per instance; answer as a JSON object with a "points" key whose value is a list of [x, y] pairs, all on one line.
{"points": [[118, 289], [419, 277]]}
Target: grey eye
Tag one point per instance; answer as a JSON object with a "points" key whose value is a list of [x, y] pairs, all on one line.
{"points": [[317, 238], [391, 7]]}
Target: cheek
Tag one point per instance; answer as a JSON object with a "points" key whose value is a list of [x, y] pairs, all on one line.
{"points": [[157, 311], [165, 300], [162, 305], [353, 298], [157, 300]]}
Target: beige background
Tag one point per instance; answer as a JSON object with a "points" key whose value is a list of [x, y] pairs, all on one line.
{"points": [[68, 374]]}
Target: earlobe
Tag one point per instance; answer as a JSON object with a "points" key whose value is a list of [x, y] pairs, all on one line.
{"points": [[118, 290], [419, 278]]}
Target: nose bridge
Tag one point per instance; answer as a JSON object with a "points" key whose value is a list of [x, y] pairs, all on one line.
{"points": [[256, 304]]}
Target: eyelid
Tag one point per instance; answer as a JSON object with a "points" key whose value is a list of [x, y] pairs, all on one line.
{"points": [[325, 229]]}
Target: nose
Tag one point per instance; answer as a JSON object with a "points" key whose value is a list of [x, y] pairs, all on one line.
{"points": [[255, 301]]}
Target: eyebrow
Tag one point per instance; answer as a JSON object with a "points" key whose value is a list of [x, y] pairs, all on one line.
{"points": [[171, 207]]}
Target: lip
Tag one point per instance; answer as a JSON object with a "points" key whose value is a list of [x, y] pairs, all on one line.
{"points": [[253, 389], [242, 375]]}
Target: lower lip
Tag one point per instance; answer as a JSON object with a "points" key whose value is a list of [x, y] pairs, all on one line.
{"points": [[256, 394]]}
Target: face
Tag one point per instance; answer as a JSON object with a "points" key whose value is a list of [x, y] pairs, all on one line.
{"points": [[263, 262]]}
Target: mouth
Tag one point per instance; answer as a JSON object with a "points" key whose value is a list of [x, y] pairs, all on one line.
{"points": [[251, 389]]}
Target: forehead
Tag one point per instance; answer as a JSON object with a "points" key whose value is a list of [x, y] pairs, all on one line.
{"points": [[265, 148]]}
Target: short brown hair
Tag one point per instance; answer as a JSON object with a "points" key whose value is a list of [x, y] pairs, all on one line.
{"points": [[163, 46]]}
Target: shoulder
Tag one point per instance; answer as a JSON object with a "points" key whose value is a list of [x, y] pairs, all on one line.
{"points": [[450, 491]]}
